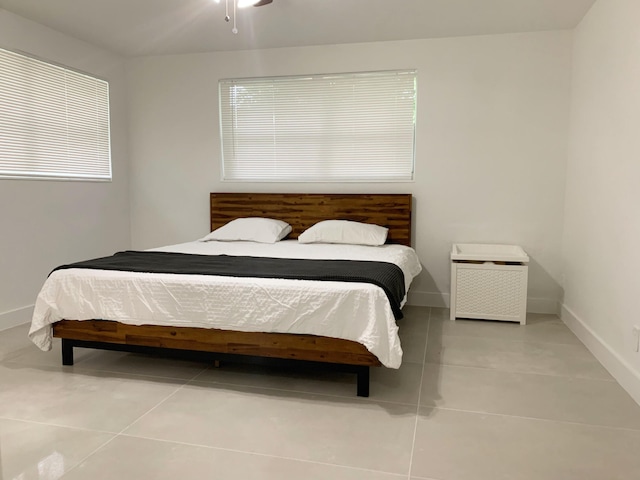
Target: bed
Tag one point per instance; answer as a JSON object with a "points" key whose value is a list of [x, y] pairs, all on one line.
{"points": [[301, 211]]}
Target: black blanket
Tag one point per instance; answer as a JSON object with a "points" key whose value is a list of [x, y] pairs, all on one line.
{"points": [[387, 276]]}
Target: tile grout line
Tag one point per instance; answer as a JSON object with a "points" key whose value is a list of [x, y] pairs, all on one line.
{"points": [[415, 428], [90, 454], [365, 400], [195, 377], [258, 454], [577, 341], [186, 382], [141, 375], [430, 331], [289, 390], [80, 369], [538, 419], [522, 372], [120, 433], [55, 425], [512, 340]]}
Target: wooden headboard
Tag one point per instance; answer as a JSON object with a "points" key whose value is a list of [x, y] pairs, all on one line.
{"points": [[302, 210]]}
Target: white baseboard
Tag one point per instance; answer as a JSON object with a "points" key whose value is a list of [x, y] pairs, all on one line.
{"points": [[15, 317], [617, 366], [428, 299], [442, 300], [543, 305]]}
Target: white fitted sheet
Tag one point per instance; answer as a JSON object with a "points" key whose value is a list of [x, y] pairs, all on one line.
{"points": [[352, 311]]}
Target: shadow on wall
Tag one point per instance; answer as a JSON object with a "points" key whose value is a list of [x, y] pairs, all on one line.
{"points": [[546, 293], [425, 292]]}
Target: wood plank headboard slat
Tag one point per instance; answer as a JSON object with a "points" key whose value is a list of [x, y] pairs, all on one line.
{"points": [[302, 210]]}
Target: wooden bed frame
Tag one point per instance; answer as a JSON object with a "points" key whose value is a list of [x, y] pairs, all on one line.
{"points": [[299, 210]]}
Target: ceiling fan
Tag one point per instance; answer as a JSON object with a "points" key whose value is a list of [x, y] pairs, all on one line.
{"points": [[253, 3], [241, 4]]}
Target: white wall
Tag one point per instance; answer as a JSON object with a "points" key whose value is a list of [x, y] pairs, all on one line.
{"points": [[491, 144], [47, 223], [601, 247]]}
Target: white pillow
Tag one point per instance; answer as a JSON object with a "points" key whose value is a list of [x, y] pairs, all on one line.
{"points": [[344, 231], [251, 229]]}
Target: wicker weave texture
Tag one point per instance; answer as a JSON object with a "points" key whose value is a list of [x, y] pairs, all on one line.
{"points": [[489, 292]]}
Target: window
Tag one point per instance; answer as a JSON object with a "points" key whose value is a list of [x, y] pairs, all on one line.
{"points": [[54, 122], [325, 128]]}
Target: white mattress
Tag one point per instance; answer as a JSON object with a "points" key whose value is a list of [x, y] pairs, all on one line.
{"points": [[352, 311]]}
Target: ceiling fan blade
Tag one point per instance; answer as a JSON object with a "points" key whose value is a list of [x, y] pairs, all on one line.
{"points": [[263, 2]]}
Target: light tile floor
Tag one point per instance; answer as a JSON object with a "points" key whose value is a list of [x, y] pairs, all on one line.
{"points": [[474, 400]]}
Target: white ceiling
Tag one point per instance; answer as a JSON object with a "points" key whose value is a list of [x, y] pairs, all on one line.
{"points": [[151, 27]]}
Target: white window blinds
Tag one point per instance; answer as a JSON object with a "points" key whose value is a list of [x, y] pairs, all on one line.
{"points": [[324, 128], [54, 122]]}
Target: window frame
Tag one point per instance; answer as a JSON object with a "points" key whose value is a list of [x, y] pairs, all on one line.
{"points": [[409, 173], [106, 160]]}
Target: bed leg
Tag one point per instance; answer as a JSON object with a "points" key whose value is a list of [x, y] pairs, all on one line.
{"points": [[363, 381], [67, 352]]}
